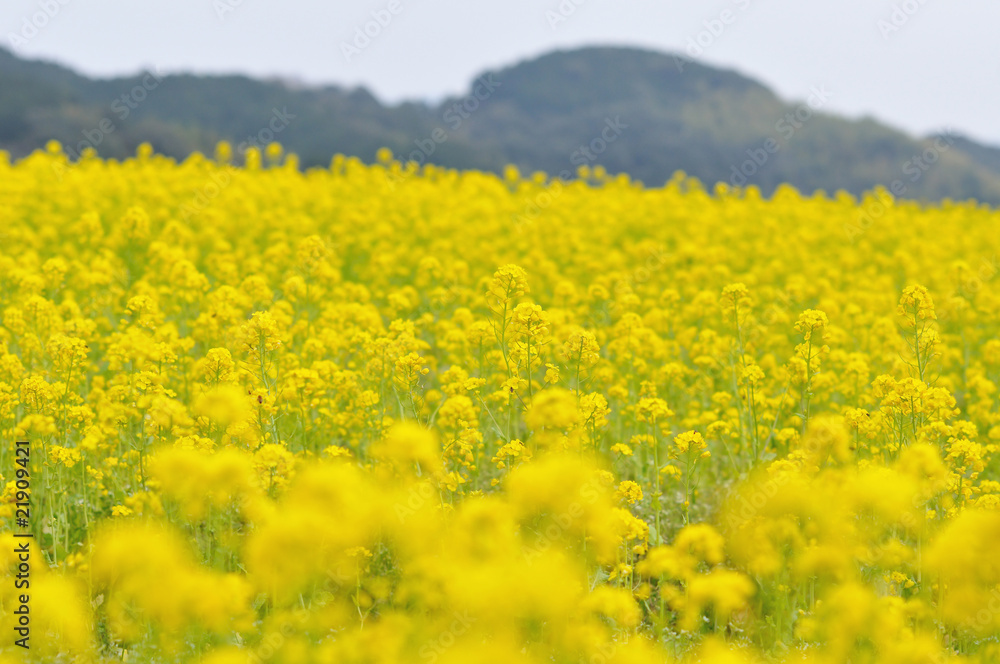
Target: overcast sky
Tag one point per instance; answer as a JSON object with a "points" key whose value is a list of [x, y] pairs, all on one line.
{"points": [[922, 65]]}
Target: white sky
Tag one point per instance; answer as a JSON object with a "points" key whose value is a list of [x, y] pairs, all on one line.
{"points": [[941, 68]]}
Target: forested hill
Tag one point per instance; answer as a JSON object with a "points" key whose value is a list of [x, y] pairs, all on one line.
{"points": [[645, 113]]}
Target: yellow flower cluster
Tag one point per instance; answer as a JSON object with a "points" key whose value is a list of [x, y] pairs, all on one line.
{"points": [[356, 414]]}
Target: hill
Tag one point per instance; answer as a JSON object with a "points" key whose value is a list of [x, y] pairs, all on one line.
{"points": [[629, 110]]}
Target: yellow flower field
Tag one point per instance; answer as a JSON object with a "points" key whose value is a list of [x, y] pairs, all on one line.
{"points": [[376, 413]]}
